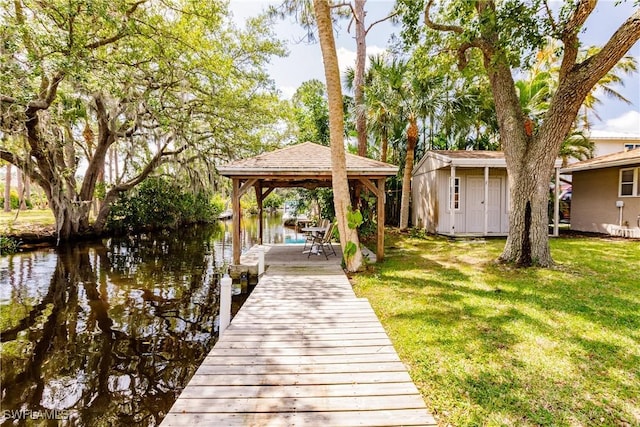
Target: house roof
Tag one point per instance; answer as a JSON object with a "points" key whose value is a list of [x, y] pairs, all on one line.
{"points": [[470, 154], [467, 159], [306, 160], [463, 158], [598, 135], [623, 158]]}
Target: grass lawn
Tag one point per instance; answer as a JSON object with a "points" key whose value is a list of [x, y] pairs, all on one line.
{"points": [[28, 220], [491, 345]]}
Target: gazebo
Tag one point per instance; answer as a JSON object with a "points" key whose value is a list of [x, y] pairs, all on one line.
{"points": [[305, 165]]}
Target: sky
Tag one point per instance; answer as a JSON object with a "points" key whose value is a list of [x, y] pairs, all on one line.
{"points": [[304, 61]]}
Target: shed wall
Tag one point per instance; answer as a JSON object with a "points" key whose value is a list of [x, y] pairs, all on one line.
{"points": [[430, 193], [424, 196]]}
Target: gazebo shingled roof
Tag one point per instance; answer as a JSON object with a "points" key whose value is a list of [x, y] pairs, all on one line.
{"points": [[305, 165], [304, 160]]}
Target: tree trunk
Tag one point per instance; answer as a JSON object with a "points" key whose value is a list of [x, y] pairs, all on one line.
{"points": [[70, 214], [7, 189], [385, 145], [412, 140], [530, 153], [22, 204], [341, 198], [27, 187], [528, 240], [55, 173], [358, 79]]}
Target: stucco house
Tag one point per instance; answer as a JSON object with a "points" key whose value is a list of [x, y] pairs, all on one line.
{"points": [[606, 194], [449, 190], [609, 142]]}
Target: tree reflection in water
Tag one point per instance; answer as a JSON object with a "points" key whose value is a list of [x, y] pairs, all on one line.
{"points": [[115, 332]]}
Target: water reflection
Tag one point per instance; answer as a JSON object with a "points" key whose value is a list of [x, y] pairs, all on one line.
{"points": [[111, 331]]}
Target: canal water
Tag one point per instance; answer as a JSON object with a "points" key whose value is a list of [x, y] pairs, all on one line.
{"points": [[109, 332]]}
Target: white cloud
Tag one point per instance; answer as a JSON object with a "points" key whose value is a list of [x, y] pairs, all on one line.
{"points": [[287, 91], [347, 58], [629, 122]]}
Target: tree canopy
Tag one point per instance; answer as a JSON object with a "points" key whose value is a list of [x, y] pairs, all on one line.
{"points": [[150, 83], [507, 35]]}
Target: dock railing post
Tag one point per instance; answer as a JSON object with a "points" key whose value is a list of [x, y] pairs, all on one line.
{"points": [[225, 303], [260, 260]]}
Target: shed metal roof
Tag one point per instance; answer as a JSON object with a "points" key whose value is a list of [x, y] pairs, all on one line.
{"points": [[467, 159]]}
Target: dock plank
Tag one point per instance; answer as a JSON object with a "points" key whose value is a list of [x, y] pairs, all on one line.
{"points": [[293, 360], [297, 378], [303, 350], [300, 368], [336, 390], [370, 418], [299, 404]]}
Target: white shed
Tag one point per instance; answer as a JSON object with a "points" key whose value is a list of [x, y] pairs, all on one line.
{"points": [[449, 190]]}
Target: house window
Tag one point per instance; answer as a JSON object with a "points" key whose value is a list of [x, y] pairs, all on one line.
{"points": [[628, 147], [454, 193], [629, 182]]}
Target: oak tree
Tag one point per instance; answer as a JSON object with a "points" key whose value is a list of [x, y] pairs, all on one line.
{"points": [[507, 33]]}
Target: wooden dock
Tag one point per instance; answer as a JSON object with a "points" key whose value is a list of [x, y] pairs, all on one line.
{"points": [[303, 350]]}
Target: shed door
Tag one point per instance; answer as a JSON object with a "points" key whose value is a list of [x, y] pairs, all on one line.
{"points": [[475, 204]]}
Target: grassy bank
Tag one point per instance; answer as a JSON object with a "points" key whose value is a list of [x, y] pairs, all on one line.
{"points": [[27, 218], [491, 345]]}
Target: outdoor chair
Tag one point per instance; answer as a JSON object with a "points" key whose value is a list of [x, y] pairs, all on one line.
{"points": [[324, 224], [323, 242]]}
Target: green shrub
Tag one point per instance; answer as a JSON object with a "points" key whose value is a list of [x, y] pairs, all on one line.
{"points": [[8, 245], [325, 199], [158, 203], [273, 201], [218, 204], [15, 201]]}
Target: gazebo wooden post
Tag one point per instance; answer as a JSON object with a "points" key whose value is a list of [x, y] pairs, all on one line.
{"points": [[313, 168], [235, 208], [378, 190], [380, 204], [259, 196]]}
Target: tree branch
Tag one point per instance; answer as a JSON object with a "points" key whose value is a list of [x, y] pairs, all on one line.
{"points": [[486, 49], [121, 34], [598, 65], [343, 4], [569, 35], [580, 79], [579, 17], [21, 163], [47, 95], [106, 41], [7, 99], [12, 158], [554, 26], [157, 159], [438, 27], [394, 14]]}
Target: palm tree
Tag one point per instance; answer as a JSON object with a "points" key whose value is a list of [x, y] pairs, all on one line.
{"points": [[627, 65], [535, 95], [379, 106], [396, 100], [548, 61], [577, 146], [348, 236], [408, 107]]}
